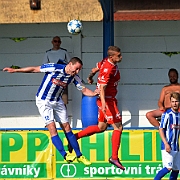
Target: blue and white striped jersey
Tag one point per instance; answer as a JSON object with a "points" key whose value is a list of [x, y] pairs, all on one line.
{"points": [[55, 81], [170, 122]]}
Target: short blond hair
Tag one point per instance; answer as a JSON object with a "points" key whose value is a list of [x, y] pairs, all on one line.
{"points": [[175, 95], [112, 49]]}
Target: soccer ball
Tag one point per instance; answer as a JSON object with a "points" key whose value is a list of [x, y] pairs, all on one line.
{"points": [[74, 26]]}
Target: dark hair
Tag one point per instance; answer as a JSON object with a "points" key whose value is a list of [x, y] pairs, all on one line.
{"points": [[56, 37], [75, 60], [173, 70]]}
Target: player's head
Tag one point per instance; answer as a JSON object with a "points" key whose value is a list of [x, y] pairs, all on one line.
{"points": [[114, 54], [173, 76], [56, 42], [175, 99], [74, 66]]}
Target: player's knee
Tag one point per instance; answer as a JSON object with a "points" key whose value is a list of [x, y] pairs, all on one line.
{"points": [[66, 127], [169, 169], [148, 115], [102, 128]]}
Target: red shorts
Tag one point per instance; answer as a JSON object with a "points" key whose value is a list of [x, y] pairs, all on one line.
{"points": [[112, 113]]}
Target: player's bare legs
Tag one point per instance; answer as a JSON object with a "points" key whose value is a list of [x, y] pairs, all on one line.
{"points": [[152, 115], [116, 139], [52, 129]]}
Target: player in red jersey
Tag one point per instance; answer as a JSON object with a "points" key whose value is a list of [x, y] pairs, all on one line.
{"points": [[95, 70], [108, 113]]}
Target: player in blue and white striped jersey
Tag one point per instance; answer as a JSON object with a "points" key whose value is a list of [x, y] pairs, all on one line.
{"points": [[50, 104], [55, 81], [169, 131], [58, 55]]}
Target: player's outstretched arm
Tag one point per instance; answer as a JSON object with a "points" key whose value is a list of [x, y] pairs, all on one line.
{"points": [[33, 69], [88, 92]]}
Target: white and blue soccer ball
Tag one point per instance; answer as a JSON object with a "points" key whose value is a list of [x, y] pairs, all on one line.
{"points": [[74, 26]]}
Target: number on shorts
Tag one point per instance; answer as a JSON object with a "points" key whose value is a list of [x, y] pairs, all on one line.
{"points": [[47, 118]]}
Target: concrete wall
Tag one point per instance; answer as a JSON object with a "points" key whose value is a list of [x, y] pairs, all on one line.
{"points": [[143, 69], [18, 11]]}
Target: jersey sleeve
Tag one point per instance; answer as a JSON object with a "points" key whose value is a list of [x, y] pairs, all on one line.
{"points": [[104, 75], [78, 83], [50, 67], [164, 119], [99, 64]]}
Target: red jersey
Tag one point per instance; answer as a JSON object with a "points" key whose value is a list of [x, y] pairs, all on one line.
{"points": [[99, 64], [109, 75]]}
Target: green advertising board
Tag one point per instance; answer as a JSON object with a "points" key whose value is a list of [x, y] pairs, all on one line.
{"points": [[31, 154], [140, 154]]}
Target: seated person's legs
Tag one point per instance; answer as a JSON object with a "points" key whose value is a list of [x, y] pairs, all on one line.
{"points": [[152, 115]]}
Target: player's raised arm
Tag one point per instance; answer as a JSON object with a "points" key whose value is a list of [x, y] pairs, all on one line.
{"points": [[92, 74], [32, 69], [95, 70]]}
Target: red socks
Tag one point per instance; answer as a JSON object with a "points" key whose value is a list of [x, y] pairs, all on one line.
{"points": [[90, 130], [116, 138]]}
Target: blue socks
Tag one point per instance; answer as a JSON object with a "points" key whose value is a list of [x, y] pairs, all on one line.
{"points": [[164, 171], [71, 139], [73, 142], [161, 173], [59, 145], [174, 175]]}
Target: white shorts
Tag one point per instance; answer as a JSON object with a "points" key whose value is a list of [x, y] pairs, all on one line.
{"points": [[171, 160], [52, 110]]}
